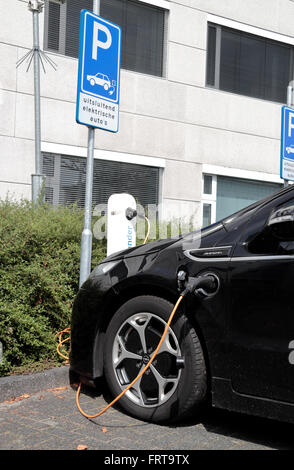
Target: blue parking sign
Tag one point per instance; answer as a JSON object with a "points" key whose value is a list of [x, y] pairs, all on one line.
{"points": [[98, 73], [287, 144]]}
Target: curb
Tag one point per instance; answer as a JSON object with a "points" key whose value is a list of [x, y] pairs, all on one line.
{"points": [[16, 385]]}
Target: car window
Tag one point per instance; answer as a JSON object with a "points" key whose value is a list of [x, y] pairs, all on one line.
{"points": [[276, 239]]}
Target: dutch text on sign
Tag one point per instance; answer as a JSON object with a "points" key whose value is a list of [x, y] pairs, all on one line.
{"points": [[99, 73]]}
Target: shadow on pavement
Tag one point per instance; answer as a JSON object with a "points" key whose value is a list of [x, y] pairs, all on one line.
{"points": [[251, 429]]}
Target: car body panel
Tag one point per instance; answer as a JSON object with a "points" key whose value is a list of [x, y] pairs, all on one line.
{"points": [[245, 328]]}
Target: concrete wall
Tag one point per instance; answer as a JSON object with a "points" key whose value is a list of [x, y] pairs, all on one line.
{"points": [[175, 118]]}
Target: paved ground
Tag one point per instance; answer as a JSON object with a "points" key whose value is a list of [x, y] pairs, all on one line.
{"points": [[50, 420]]}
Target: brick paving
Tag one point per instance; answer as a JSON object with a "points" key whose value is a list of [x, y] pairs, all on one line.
{"points": [[49, 420]]}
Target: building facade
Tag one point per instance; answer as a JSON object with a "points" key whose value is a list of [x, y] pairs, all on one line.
{"points": [[202, 84]]}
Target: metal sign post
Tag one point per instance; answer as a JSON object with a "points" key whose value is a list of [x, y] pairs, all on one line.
{"points": [[37, 178], [86, 242], [36, 7], [97, 101]]}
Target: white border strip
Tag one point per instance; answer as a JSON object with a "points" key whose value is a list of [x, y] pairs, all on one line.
{"points": [[250, 29], [238, 173], [103, 154], [158, 3]]}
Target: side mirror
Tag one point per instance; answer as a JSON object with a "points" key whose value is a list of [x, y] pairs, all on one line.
{"points": [[286, 214], [281, 223]]}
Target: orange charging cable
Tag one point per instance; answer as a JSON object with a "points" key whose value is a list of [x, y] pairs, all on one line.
{"points": [[67, 330], [61, 342]]}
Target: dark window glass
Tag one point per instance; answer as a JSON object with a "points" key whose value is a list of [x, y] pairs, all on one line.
{"points": [[113, 10], [207, 184], [144, 39], [48, 164], [142, 34], [277, 71], [249, 65], [142, 31], [206, 220], [72, 28], [210, 78], [230, 60], [69, 181], [72, 180], [252, 66], [53, 26]]}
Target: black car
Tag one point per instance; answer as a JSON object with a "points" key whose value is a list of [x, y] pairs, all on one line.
{"points": [[231, 342]]}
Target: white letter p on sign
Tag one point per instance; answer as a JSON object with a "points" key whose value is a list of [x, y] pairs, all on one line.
{"points": [[96, 43], [291, 124]]}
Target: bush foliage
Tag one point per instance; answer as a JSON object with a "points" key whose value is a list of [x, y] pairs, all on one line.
{"points": [[39, 276]]}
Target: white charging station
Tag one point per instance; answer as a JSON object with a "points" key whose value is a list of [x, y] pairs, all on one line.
{"points": [[121, 232]]}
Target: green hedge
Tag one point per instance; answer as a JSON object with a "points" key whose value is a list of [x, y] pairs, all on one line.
{"points": [[39, 275]]}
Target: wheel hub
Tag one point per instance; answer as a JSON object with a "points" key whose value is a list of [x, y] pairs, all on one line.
{"points": [[145, 359]]}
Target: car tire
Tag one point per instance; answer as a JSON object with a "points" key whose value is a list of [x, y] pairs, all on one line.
{"points": [[176, 383], [106, 87], [92, 82]]}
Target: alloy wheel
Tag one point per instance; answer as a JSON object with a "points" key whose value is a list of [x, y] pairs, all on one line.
{"points": [[133, 346]]}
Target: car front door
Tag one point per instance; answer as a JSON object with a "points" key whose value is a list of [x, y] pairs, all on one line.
{"points": [[261, 314]]}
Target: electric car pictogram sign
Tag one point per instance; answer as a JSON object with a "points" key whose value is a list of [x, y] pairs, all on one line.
{"points": [[287, 144], [99, 72]]}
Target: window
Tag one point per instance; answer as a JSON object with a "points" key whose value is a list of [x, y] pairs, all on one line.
{"points": [[207, 184], [248, 65], [208, 200], [206, 218], [275, 238], [234, 193], [66, 180], [142, 31], [223, 195]]}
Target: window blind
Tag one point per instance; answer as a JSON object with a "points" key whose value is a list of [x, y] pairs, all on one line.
{"points": [[66, 180], [247, 64], [142, 31]]}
